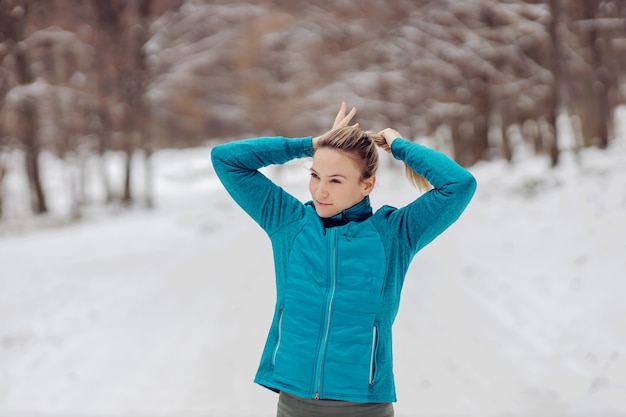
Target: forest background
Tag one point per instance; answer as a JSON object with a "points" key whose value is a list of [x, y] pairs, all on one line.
{"points": [[482, 79]]}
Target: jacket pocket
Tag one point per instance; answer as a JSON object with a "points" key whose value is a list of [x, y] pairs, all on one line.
{"points": [[280, 334], [372, 376]]}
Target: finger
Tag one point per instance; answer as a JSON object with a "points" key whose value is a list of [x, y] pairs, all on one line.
{"points": [[346, 119], [341, 114], [351, 114]]}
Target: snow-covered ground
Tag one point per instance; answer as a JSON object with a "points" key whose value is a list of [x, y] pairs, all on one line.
{"points": [[518, 310]]}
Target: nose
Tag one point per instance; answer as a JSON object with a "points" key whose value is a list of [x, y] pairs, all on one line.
{"points": [[320, 192]]}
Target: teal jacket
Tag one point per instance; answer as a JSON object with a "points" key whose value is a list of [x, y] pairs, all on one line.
{"points": [[338, 280]]}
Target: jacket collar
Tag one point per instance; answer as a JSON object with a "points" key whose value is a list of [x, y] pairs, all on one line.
{"points": [[358, 212]]}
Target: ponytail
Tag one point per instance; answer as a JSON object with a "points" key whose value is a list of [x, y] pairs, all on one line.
{"points": [[414, 178]]}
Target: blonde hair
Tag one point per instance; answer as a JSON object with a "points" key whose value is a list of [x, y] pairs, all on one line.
{"points": [[361, 146]]}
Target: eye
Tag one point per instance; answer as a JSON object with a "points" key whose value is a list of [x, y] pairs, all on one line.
{"points": [[314, 175], [335, 181]]}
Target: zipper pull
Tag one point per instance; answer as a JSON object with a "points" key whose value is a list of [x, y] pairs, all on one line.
{"points": [[316, 396]]}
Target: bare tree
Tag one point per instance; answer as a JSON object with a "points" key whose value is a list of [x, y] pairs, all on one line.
{"points": [[555, 61], [597, 27], [14, 15]]}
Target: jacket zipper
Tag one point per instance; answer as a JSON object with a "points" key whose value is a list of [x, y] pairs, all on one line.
{"points": [[280, 333], [373, 354], [329, 310]]}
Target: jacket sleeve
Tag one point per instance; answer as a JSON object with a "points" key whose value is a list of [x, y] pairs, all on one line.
{"points": [[237, 166], [433, 212]]}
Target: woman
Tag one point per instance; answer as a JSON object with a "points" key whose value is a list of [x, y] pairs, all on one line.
{"points": [[339, 267]]}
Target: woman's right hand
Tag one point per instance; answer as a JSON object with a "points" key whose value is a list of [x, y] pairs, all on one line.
{"points": [[341, 120]]}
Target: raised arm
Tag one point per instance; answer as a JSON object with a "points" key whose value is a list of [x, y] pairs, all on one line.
{"points": [[237, 165], [433, 212]]}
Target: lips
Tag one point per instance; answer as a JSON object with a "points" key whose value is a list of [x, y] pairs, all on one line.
{"points": [[319, 203]]}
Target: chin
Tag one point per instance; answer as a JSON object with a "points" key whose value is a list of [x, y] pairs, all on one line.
{"points": [[323, 214], [326, 212]]}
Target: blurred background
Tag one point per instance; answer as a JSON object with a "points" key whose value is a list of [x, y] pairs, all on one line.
{"points": [[82, 78], [123, 291]]}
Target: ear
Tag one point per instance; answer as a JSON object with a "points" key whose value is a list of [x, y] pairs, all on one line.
{"points": [[368, 185]]}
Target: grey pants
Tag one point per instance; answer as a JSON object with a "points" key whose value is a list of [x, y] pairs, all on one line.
{"points": [[292, 406]]}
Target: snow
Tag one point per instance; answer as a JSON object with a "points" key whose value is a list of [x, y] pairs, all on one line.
{"points": [[38, 88], [517, 310]]}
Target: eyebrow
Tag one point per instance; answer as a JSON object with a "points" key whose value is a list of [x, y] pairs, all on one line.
{"points": [[330, 176]]}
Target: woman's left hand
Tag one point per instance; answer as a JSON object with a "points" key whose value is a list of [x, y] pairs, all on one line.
{"points": [[390, 135]]}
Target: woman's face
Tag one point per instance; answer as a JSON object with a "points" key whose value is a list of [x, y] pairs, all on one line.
{"points": [[335, 183]]}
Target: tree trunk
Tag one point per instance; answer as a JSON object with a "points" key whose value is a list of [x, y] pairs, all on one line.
{"points": [[555, 64], [143, 111], [507, 150], [28, 110], [3, 172], [31, 143], [104, 139], [507, 119], [3, 166], [149, 179], [12, 31], [600, 109], [482, 107], [136, 123], [127, 197]]}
